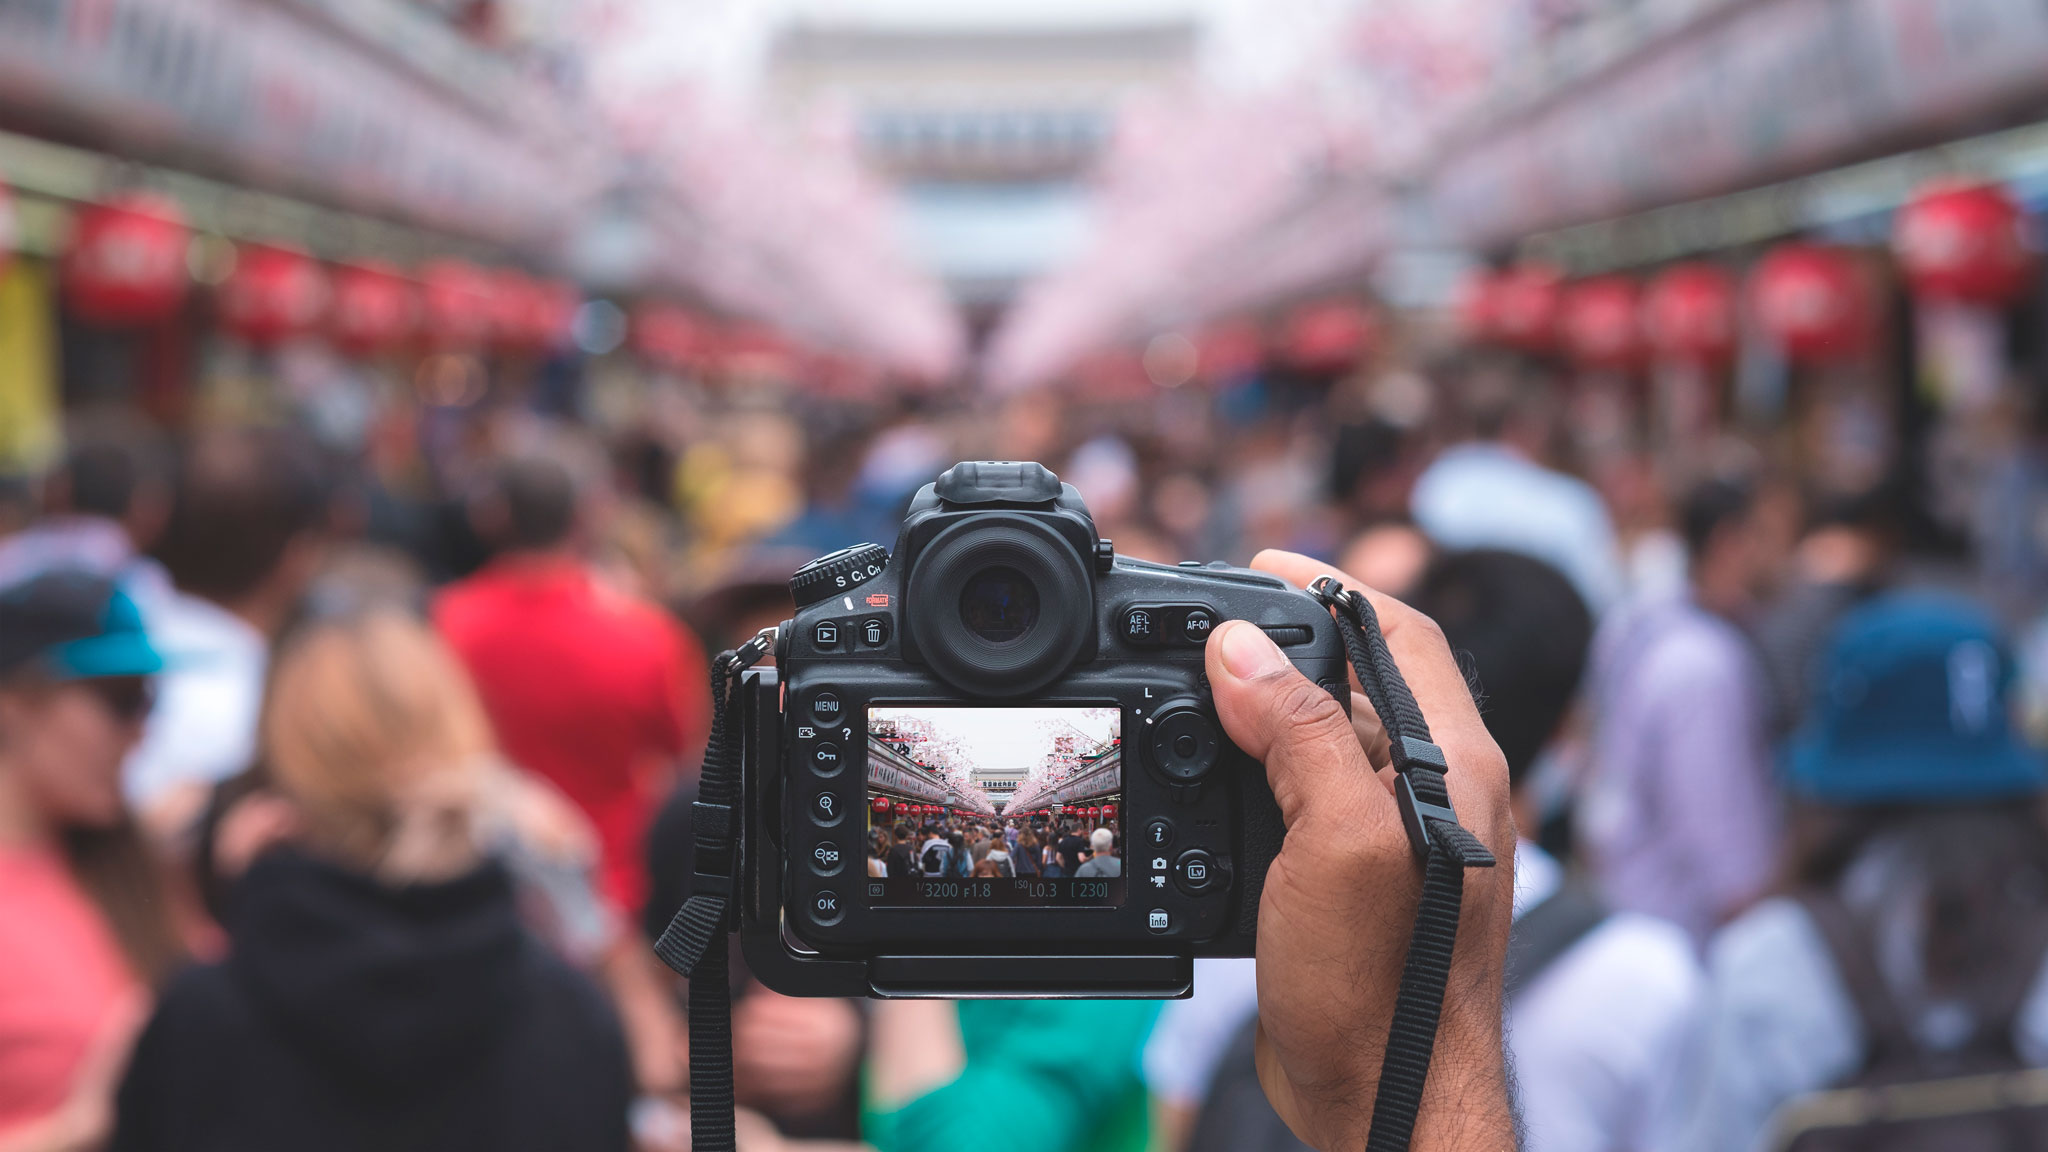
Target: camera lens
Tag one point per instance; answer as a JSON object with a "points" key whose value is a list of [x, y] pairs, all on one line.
{"points": [[999, 604]]}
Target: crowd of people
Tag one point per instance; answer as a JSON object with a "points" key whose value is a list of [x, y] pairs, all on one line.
{"points": [[341, 790], [962, 847]]}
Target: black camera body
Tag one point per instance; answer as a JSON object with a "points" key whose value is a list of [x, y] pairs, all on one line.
{"points": [[1005, 675]]}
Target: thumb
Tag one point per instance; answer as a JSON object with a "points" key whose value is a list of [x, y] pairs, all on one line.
{"points": [[1314, 762]]}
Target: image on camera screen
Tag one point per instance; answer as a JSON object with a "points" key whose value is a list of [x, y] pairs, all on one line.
{"points": [[994, 806]]}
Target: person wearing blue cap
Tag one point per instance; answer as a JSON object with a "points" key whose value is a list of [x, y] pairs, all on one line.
{"points": [[1910, 945], [84, 926]]}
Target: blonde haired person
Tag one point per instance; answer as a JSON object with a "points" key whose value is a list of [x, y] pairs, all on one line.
{"points": [[382, 991]]}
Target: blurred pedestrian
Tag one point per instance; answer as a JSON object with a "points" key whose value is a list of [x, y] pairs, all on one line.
{"points": [[1599, 1001], [1066, 1069], [902, 855], [1389, 555], [1102, 859], [84, 926], [381, 990], [935, 857], [1681, 815], [1843, 558], [102, 509], [604, 696], [1495, 490], [1024, 861], [1070, 848], [1906, 961], [249, 527], [999, 855]]}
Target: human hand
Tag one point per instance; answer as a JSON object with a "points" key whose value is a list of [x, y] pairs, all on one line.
{"points": [[793, 1054], [1340, 899]]}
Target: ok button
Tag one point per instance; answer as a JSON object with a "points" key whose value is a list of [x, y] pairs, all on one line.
{"points": [[827, 908], [827, 809]]}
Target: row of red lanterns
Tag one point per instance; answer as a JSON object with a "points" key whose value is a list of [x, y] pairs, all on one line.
{"points": [[124, 265], [1961, 243]]}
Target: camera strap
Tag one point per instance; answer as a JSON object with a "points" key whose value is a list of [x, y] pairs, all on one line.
{"points": [[1444, 847], [694, 944]]}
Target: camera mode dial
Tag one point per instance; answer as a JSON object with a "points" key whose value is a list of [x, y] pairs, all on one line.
{"points": [[837, 572]]}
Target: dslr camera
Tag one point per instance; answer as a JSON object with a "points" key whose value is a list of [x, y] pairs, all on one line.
{"points": [[1004, 675]]}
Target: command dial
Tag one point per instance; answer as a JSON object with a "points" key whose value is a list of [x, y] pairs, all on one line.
{"points": [[837, 572]]}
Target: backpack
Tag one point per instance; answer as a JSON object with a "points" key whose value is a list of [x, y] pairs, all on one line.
{"points": [[1548, 931], [1237, 1117], [1905, 1098]]}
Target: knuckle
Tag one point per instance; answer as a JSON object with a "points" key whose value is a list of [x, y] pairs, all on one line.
{"points": [[1303, 706]]}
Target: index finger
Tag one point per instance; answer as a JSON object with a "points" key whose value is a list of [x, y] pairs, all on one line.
{"points": [[1478, 772]]}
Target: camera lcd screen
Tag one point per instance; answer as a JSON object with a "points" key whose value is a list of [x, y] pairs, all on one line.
{"points": [[994, 806]]}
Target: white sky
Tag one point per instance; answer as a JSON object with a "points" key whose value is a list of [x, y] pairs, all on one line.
{"points": [[1008, 738], [721, 45]]}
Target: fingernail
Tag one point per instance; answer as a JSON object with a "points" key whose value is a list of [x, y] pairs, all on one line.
{"points": [[1248, 652]]}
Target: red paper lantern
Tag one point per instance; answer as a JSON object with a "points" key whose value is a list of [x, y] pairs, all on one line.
{"points": [[1523, 307], [125, 262], [1473, 308], [1688, 314], [667, 335], [1599, 322], [1330, 336], [1810, 301], [1964, 242], [527, 315], [460, 304], [273, 294], [1228, 350], [1109, 809], [375, 309], [882, 804], [754, 350]]}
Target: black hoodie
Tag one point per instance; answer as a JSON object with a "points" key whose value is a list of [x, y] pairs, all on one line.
{"points": [[352, 1015]]}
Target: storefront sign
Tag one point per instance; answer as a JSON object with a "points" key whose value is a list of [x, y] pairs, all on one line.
{"points": [[1751, 93]]}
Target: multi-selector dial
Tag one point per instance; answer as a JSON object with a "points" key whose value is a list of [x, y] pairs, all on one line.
{"points": [[1183, 741]]}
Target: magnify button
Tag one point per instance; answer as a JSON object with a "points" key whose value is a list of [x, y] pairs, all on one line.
{"points": [[826, 810]]}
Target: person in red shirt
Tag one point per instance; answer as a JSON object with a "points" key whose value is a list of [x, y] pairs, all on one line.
{"points": [[603, 694]]}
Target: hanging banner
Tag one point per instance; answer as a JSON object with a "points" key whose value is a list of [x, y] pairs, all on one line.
{"points": [[31, 433], [1746, 94], [272, 96]]}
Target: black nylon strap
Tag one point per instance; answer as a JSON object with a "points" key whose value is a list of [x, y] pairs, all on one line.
{"points": [[1445, 848], [694, 943]]}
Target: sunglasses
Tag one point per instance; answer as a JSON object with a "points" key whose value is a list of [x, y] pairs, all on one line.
{"points": [[128, 698]]}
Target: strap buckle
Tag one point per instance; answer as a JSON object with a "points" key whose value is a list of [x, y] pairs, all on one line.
{"points": [[711, 826], [1417, 812]]}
